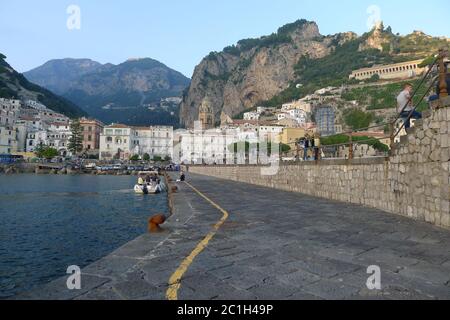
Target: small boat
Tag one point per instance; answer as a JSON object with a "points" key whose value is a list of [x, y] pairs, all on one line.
{"points": [[149, 188]]}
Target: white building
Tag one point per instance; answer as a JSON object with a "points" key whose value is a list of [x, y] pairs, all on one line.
{"points": [[252, 115], [58, 136], [269, 133], [206, 146], [121, 142], [298, 115], [156, 141], [35, 139], [116, 142]]}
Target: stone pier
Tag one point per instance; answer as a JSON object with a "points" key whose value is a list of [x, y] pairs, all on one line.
{"points": [[414, 181]]}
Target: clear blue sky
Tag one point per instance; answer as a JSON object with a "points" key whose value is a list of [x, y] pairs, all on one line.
{"points": [[180, 32]]}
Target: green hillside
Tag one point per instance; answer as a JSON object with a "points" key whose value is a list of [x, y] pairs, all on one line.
{"points": [[334, 69], [14, 85]]}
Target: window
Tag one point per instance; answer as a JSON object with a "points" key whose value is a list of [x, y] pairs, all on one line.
{"points": [[90, 129], [109, 139], [89, 138]]}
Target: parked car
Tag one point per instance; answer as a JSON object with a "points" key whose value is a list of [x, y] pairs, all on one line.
{"points": [[90, 166]]}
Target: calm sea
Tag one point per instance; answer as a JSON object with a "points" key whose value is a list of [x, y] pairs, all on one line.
{"points": [[49, 222]]}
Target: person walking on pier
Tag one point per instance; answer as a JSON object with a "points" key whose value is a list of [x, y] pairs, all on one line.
{"points": [[306, 145], [405, 105]]}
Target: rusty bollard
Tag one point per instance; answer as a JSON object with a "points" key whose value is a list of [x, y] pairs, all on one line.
{"points": [[155, 222]]}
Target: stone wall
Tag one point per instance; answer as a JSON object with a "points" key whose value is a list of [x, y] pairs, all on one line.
{"points": [[413, 181]]}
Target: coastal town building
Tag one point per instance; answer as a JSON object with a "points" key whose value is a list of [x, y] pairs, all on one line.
{"points": [[120, 141], [91, 130], [35, 139], [115, 142], [298, 115], [8, 139], [298, 104], [290, 136], [402, 70], [9, 111], [252, 115], [269, 133], [206, 146], [58, 136], [156, 141]]}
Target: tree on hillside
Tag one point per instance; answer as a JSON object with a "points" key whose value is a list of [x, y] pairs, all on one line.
{"points": [[76, 140], [357, 119]]}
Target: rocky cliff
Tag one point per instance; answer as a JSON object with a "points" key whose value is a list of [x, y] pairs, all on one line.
{"points": [[254, 70]]}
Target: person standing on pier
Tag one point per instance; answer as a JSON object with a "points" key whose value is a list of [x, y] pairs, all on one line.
{"points": [[405, 105]]}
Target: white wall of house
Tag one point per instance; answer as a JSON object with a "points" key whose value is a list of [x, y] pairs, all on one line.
{"points": [[116, 141], [207, 146]]}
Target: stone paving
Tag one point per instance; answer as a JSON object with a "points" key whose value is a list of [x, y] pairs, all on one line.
{"points": [[274, 245]]}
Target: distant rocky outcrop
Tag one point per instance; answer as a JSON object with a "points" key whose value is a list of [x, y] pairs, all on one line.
{"points": [[379, 39]]}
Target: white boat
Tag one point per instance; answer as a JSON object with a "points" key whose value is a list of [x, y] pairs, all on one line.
{"points": [[149, 188]]}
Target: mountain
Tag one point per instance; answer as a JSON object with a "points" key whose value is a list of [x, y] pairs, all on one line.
{"points": [[130, 92], [14, 85], [293, 62], [59, 75]]}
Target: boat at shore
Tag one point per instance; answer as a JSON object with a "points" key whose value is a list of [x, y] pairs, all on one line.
{"points": [[149, 183], [148, 188]]}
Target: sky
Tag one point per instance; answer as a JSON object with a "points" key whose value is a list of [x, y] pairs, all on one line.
{"points": [[180, 33]]}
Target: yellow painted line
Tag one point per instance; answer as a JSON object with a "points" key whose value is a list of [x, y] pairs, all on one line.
{"points": [[175, 279]]}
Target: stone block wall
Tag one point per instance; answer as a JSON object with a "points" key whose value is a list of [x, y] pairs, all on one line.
{"points": [[414, 181]]}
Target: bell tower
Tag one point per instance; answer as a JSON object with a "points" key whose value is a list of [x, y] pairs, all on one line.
{"points": [[205, 115]]}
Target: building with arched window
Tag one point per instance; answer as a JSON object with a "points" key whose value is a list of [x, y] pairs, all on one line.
{"points": [[404, 70]]}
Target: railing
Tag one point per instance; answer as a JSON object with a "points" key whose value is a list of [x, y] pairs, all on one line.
{"points": [[393, 131]]}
